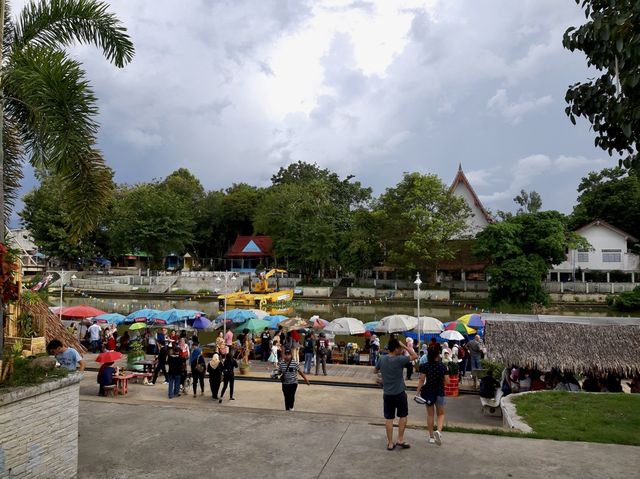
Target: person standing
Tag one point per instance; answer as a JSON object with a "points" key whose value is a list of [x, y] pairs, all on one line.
{"points": [[406, 353], [228, 375], [265, 344], [433, 377], [160, 363], [67, 356], [374, 349], [295, 345], [309, 341], [322, 347], [475, 351], [198, 367], [94, 336], [394, 398], [176, 366], [228, 340], [214, 368], [289, 369]]}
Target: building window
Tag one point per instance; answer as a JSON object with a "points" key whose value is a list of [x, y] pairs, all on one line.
{"points": [[611, 255], [583, 256]]}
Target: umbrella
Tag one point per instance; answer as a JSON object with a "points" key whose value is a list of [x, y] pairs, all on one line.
{"points": [[345, 326], [201, 323], [293, 323], [460, 327], [81, 311], [275, 320], [136, 326], [143, 314], [427, 324], [254, 325], [108, 357], [452, 335], [472, 320], [371, 325], [260, 314], [172, 316], [111, 318], [238, 315], [396, 323], [316, 322]]}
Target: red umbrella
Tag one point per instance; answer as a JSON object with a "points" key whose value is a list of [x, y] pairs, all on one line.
{"points": [[108, 357], [81, 311]]}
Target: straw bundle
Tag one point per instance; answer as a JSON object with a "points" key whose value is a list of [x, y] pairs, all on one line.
{"points": [[50, 323], [572, 347]]}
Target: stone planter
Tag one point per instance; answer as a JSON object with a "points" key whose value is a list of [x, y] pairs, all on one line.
{"points": [[39, 429], [244, 369], [452, 388]]}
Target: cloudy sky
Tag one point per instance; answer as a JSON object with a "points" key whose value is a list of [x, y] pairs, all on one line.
{"points": [[232, 90]]}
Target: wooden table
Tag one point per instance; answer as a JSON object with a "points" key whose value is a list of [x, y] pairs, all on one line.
{"points": [[122, 383], [147, 365]]}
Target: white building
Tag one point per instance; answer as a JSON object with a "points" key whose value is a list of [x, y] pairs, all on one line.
{"points": [[609, 252], [479, 218], [32, 260]]}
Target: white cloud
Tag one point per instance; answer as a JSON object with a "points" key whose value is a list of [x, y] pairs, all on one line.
{"points": [[515, 110]]}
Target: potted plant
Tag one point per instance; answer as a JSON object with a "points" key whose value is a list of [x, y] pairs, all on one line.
{"points": [[244, 368], [136, 353]]}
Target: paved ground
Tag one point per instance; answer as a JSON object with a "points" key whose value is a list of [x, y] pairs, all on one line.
{"points": [[334, 432]]}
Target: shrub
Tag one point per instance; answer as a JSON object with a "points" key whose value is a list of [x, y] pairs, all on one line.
{"points": [[627, 301]]}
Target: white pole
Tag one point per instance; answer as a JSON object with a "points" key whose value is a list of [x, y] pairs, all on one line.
{"points": [[418, 282], [61, 290], [224, 324]]}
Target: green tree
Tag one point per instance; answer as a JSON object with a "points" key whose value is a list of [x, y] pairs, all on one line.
{"points": [[417, 219], [361, 244], [611, 195], [47, 107], [530, 202], [610, 101], [521, 250], [149, 217]]}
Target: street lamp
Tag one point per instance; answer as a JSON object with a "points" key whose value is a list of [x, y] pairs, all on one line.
{"points": [[418, 282], [61, 273], [219, 277]]}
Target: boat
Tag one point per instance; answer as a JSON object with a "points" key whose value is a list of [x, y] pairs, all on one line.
{"points": [[262, 296]]}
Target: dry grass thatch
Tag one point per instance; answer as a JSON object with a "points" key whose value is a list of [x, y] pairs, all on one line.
{"points": [[570, 346], [53, 327]]}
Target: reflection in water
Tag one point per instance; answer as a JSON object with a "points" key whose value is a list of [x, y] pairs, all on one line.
{"points": [[325, 309]]}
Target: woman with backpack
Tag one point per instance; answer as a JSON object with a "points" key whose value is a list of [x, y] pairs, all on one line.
{"points": [[198, 367], [214, 368], [229, 363]]}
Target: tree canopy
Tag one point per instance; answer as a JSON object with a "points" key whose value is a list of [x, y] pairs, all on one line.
{"points": [[610, 39]]}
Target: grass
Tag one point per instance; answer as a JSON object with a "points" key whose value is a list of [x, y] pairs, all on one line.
{"points": [[564, 416], [25, 374]]}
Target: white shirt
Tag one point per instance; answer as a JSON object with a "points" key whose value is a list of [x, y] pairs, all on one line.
{"points": [[94, 331]]}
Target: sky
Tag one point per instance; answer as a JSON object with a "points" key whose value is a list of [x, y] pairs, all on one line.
{"points": [[233, 90]]}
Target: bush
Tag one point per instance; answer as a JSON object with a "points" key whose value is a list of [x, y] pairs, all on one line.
{"points": [[25, 373], [627, 301], [493, 368], [181, 291]]}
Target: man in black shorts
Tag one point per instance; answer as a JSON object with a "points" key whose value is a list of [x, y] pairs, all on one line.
{"points": [[392, 367]]}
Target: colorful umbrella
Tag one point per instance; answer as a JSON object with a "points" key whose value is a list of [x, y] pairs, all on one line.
{"points": [[316, 322], [108, 357], [396, 323], [81, 311], [136, 326], [111, 318], [260, 314], [371, 325], [201, 323], [472, 320], [238, 315], [172, 316], [274, 320], [460, 327], [141, 314], [293, 323]]}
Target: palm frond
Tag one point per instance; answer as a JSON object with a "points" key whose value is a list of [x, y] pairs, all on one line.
{"points": [[88, 191], [49, 100], [12, 166], [59, 23]]}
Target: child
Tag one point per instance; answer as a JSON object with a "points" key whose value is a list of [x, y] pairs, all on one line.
{"points": [[273, 357]]}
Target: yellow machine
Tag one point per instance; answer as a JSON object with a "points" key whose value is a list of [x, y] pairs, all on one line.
{"points": [[262, 296]]}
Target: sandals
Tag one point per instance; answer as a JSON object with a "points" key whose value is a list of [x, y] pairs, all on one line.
{"points": [[391, 448], [403, 445]]}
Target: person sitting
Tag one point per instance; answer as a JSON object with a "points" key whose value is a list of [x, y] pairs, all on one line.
{"points": [[537, 384], [124, 342], [105, 377], [525, 380], [591, 383]]}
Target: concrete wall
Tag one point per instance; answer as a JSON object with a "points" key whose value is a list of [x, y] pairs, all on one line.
{"points": [[310, 292], [39, 430], [361, 293], [432, 294]]}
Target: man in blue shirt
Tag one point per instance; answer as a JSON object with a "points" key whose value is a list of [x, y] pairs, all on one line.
{"points": [[67, 357], [392, 367]]}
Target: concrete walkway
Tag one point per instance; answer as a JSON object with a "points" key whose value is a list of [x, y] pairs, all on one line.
{"points": [[197, 438]]}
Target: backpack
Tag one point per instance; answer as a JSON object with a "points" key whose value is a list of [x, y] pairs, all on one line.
{"points": [[461, 352]]}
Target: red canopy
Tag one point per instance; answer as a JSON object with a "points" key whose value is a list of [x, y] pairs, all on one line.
{"points": [[81, 311]]}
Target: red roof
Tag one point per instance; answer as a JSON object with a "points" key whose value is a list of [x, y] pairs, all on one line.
{"points": [[461, 178], [250, 247]]}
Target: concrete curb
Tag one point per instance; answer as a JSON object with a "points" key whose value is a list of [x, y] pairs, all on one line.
{"points": [[12, 395], [510, 418]]}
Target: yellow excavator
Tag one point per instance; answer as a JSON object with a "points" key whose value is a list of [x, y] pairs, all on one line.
{"points": [[261, 295]]}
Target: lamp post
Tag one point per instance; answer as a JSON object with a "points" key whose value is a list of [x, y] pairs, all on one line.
{"points": [[418, 282], [61, 272], [226, 275]]}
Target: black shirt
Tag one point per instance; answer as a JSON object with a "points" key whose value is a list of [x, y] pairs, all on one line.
{"points": [[308, 345], [176, 365]]}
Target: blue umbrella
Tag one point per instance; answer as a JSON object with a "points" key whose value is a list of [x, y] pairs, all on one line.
{"points": [[371, 326], [172, 316], [111, 318], [238, 315], [274, 320], [201, 323], [142, 313]]}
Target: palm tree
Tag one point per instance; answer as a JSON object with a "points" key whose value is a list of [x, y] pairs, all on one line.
{"points": [[48, 108]]}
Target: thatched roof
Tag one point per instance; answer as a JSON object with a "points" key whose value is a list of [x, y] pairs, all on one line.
{"points": [[570, 343], [53, 327]]}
